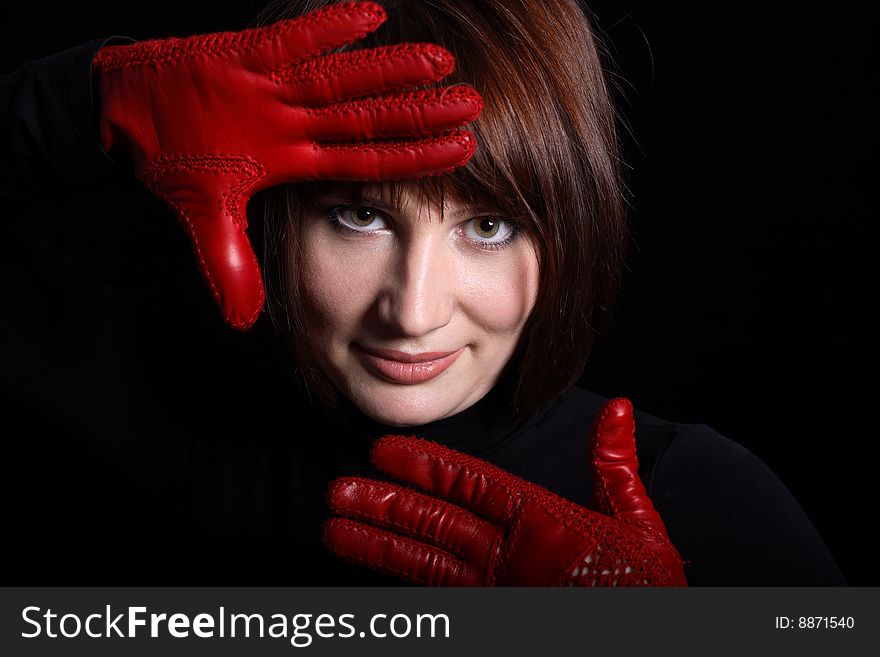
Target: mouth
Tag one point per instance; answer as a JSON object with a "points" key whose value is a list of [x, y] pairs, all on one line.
{"points": [[405, 368]]}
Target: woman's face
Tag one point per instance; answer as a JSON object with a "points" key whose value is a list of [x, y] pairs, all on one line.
{"points": [[412, 317]]}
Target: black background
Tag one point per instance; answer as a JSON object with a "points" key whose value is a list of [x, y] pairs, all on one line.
{"points": [[747, 298]]}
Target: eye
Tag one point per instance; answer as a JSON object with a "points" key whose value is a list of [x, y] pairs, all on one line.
{"points": [[358, 218], [490, 232]]}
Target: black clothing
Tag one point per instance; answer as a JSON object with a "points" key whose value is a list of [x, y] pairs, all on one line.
{"points": [[149, 443]]}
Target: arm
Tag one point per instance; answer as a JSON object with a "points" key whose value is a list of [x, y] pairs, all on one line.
{"points": [[49, 138], [732, 519]]}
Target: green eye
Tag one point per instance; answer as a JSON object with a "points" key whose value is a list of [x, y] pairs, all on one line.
{"points": [[358, 218], [362, 216], [486, 227], [490, 232]]}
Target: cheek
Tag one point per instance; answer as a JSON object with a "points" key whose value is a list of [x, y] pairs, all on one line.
{"points": [[501, 297], [336, 283]]}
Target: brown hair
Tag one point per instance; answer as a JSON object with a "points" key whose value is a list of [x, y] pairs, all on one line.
{"points": [[547, 152]]}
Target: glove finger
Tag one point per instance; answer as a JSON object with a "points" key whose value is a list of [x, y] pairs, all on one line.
{"points": [[272, 46], [261, 48], [392, 160], [217, 231], [472, 483], [410, 114], [343, 76], [619, 492], [396, 555], [422, 517]]}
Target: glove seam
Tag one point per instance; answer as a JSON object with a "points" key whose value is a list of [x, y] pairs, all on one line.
{"points": [[354, 527], [205, 46], [460, 137], [216, 163], [346, 63], [406, 100], [606, 504], [165, 164], [509, 538]]}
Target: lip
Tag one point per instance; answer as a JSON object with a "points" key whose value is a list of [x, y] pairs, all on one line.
{"points": [[404, 368]]}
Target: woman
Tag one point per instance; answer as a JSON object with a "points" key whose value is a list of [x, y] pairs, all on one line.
{"points": [[506, 268]]}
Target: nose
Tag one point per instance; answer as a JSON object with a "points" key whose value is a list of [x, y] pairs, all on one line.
{"points": [[420, 297]]}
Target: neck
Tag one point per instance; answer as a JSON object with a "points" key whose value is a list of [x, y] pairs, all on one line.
{"points": [[472, 430]]}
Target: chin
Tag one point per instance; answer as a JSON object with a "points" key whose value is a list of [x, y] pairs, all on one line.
{"points": [[402, 411]]}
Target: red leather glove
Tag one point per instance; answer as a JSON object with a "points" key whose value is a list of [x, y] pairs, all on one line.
{"points": [[481, 525], [210, 120]]}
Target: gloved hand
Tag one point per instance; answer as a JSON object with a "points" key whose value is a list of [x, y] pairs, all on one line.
{"points": [[208, 121], [480, 525]]}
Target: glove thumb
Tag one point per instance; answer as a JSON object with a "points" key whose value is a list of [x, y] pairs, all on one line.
{"points": [[617, 489], [210, 200]]}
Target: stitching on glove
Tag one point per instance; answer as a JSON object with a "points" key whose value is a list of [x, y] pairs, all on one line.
{"points": [[184, 219], [369, 562], [605, 503], [216, 163], [495, 559], [211, 163], [418, 99], [355, 61], [602, 574], [651, 533], [635, 554], [351, 527], [637, 576], [157, 52], [462, 138], [206, 272], [511, 536]]}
